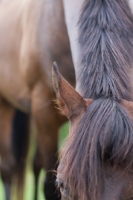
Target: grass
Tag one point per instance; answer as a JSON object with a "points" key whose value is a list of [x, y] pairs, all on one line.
{"points": [[29, 186]]}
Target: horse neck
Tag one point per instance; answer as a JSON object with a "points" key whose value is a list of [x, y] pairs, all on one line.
{"points": [[72, 14]]}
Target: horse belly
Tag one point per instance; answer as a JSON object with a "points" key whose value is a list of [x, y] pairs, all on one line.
{"points": [[14, 89], [12, 85]]}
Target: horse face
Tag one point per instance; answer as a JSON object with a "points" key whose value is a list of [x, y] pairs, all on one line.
{"points": [[115, 183]]}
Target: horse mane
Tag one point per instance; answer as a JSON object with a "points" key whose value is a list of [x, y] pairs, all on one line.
{"points": [[105, 133], [105, 37], [103, 136]]}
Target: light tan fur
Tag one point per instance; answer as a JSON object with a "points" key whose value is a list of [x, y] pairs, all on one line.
{"points": [[32, 36]]}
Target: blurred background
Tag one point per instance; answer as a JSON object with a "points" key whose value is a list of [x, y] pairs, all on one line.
{"points": [[33, 34], [29, 182]]}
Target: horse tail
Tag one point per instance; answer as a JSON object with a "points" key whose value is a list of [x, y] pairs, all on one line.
{"points": [[20, 143], [106, 42]]}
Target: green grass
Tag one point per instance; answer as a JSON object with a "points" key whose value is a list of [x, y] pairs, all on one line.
{"points": [[2, 196], [29, 186]]}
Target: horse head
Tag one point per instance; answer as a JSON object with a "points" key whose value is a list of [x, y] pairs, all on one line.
{"points": [[97, 160]]}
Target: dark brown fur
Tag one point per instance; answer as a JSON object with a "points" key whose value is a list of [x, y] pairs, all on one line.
{"points": [[103, 137], [100, 143], [106, 33]]}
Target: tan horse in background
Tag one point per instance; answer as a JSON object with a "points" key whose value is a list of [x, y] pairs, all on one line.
{"points": [[32, 36]]}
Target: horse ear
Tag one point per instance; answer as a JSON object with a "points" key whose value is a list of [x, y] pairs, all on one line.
{"points": [[128, 105], [69, 100]]}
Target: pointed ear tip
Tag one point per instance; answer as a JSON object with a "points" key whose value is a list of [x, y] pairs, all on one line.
{"points": [[88, 101], [55, 68]]}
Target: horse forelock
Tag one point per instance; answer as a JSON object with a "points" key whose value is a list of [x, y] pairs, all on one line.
{"points": [[103, 136], [106, 42]]}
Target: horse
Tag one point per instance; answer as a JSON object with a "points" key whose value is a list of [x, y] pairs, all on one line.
{"points": [[32, 35], [96, 161]]}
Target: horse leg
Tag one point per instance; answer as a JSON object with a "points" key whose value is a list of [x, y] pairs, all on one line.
{"points": [[50, 187], [20, 146], [14, 140], [7, 160], [48, 122], [47, 139], [37, 166], [7, 185], [48, 146]]}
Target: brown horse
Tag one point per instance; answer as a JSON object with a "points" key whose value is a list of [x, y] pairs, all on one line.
{"points": [[97, 159], [32, 35]]}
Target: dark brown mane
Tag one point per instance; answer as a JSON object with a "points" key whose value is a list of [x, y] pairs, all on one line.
{"points": [[105, 133], [106, 33]]}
